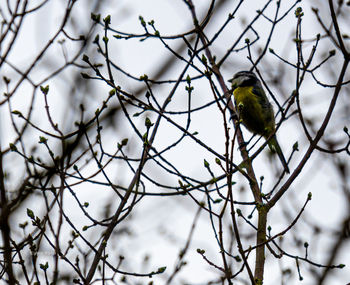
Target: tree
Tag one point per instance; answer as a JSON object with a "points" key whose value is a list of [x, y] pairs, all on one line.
{"points": [[118, 142]]}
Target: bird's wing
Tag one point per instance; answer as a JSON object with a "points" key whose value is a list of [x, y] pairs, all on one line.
{"points": [[259, 92], [269, 117]]}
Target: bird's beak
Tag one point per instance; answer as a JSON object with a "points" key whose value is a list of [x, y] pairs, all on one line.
{"points": [[233, 83]]}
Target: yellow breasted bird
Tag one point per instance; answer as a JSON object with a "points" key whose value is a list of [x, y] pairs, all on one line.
{"points": [[254, 109]]}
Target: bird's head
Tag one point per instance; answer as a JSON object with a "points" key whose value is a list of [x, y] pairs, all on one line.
{"points": [[243, 79]]}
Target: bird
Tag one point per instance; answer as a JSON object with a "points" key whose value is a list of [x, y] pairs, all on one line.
{"points": [[255, 111]]}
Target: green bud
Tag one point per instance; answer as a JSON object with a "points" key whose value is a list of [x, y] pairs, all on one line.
{"points": [[148, 123], [204, 59], [95, 17], [189, 89], [309, 196], [30, 213], [144, 77], [85, 75], [200, 251], [24, 225], [161, 269], [45, 89], [188, 79], [143, 23], [107, 20], [85, 58], [13, 147], [296, 146], [97, 38], [6, 79], [144, 137], [213, 180], [299, 12], [42, 140], [44, 266]]}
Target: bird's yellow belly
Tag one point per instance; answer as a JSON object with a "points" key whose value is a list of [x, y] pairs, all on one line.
{"points": [[247, 101], [249, 109]]}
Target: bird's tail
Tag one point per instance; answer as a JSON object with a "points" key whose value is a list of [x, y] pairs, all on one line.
{"points": [[275, 147]]}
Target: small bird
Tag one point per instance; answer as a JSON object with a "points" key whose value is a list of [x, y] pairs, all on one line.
{"points": [[255, 111]]}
